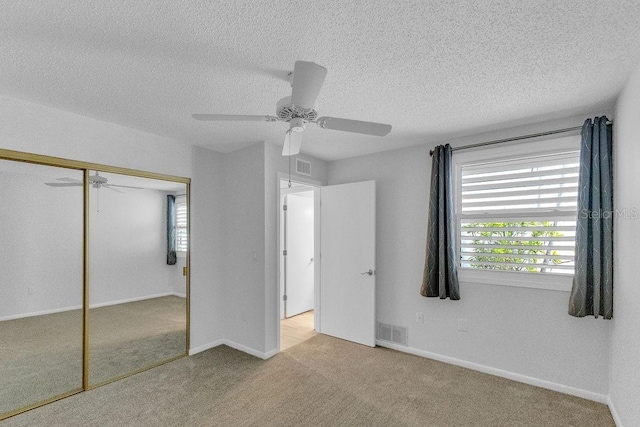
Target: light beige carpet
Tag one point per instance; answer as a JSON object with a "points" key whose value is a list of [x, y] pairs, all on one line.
{"points": [[41, 356], [127, 337], [322, 381]]}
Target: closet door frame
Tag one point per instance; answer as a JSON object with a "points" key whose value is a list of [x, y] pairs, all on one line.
{"points": [[86, 167]]}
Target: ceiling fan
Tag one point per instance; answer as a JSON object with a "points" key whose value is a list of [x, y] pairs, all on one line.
{"points": [[298, 110], [96, 181]]}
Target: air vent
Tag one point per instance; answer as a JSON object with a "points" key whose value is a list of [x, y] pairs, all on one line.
{"points": [[384, 332], [303, 167], [392, 333]]}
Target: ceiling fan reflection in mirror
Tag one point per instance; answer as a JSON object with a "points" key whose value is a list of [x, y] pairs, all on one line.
{"points": [[96, 181], [298, 110]]}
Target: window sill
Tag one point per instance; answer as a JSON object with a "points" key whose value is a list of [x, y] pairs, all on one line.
{"points": [[546, 281]]}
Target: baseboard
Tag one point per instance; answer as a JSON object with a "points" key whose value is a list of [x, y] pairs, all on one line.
{"points": [[205, 347], [270, 354], [585, 394], [40, 313], [248, 350], [614, 412], [234, 345], [79, 307], [134, 299]]}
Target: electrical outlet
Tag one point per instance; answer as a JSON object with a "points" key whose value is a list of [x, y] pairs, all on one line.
{"points": [[419, 317], [462, 325]]}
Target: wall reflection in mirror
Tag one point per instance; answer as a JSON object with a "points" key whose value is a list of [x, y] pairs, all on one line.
{"points": [[41, 282], [137, 291], [137, 310]]}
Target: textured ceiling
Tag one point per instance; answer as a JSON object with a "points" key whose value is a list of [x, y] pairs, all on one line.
{"points": [[432, 69]]}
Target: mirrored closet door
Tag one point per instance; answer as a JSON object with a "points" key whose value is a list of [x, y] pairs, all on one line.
{"points": [[94, 281], [137, 292], [41, 284]]}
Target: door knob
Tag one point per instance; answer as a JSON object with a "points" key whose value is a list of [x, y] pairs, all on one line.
{"points": [[368, 273]]}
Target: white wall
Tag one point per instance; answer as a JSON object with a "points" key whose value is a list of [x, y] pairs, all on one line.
{"points": [[41, 244], [239, 223], [234, 216], [233, 212], [525, 333], [127, 245], [34, 128], [243, 242], [208, 297], [625, 336], [275, 163]]}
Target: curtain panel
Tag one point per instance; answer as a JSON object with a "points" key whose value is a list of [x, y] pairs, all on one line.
{"points": [[440, 277], [592, 290], [171, 230]]}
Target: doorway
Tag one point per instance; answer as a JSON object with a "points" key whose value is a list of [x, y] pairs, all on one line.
{"points": [[297, 238], [344, 300]]}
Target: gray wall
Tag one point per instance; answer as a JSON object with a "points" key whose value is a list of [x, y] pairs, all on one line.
{"points": [[41, 244], [207, 251], [625, 331], [127, 245], [517, 332], [34, 128], [243, 242], [273, 164]]}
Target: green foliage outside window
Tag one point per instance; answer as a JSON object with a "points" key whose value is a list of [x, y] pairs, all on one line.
{"points": [[515, 234]]}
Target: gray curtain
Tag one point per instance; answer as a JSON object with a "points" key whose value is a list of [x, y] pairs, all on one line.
{"points": [[592, 292], [171, 230], [440, 278]]}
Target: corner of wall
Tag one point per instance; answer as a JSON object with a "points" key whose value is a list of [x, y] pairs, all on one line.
{"points": [[624, 379], [207, 290]]}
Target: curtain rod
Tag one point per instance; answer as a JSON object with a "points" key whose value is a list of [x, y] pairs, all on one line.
{"points": [[517, 138]]}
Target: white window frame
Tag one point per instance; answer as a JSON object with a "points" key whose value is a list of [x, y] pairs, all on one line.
{"points": [[181, 200], [501, 152]]}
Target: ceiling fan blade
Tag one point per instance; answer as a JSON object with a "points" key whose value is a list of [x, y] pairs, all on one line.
{"points": [[308, 78], [122, 186], [357, 126], [69, 180], [233, 118], [110, 187], [60, 184], [292, 143]]}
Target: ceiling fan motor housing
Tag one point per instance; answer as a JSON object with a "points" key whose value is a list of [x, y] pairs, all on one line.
{"points": [[97, 181], [98, 178], [286, 111]]}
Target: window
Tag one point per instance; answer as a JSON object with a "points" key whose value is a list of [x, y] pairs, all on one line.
{"points": [[517, 213], [181, 225]]}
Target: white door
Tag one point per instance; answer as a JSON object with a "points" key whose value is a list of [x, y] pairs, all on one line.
{"points": [[300, 247], [347, 279]]}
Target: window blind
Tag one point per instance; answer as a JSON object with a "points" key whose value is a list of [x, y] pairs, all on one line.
{"points": [[519, 214], [182, 243]]}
